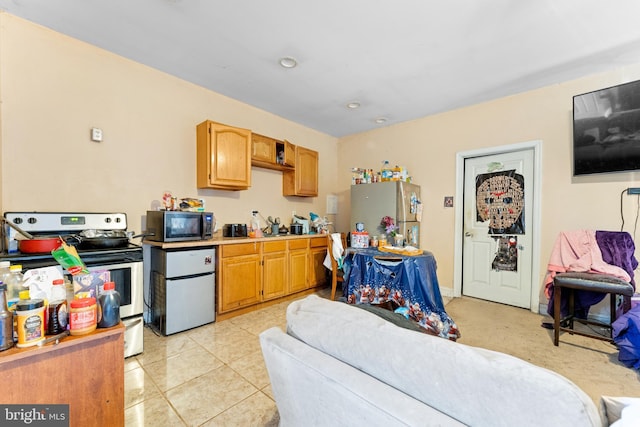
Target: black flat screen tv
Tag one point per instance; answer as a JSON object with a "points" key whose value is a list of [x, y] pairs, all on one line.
{"points": [[606, 130]]}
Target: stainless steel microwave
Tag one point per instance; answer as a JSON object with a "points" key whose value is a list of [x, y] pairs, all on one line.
{"points": [[179, 226]]}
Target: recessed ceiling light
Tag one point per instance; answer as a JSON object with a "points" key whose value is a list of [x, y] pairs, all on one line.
{"points": [[288, 62], [353, 105], [381, 120]]}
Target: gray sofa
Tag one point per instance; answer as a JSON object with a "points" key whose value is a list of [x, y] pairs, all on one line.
{"points": [[338, 365]]}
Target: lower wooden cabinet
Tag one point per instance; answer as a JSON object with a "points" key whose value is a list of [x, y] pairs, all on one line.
{"points": [[239, 276], [250, 273], [298, 265], [317, 254], [274, 269]]}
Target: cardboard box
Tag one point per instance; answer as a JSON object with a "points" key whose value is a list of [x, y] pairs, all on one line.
{"points": [[359, 240]]}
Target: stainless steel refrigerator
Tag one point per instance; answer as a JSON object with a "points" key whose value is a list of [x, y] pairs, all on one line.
{"points": [[397, 199]]}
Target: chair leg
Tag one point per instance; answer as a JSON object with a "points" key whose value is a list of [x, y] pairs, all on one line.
{"points": [[572, 308], [556, 315], [334, 283]]}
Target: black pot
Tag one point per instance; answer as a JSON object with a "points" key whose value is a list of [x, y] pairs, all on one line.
{"points": [[295, 228]]}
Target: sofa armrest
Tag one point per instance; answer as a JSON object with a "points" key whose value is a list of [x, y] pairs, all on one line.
{"points": [[620, 411]]}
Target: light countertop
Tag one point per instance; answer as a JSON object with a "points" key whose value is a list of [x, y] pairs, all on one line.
{"points": [[218, 240]]}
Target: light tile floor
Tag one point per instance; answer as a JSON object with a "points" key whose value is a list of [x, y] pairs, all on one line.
{"points": [[213, 375]]}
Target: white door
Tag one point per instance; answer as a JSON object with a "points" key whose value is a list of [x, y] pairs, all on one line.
{"points": [[497, 237]]}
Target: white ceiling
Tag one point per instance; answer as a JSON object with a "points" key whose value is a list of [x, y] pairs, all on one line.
{"points": [[400, 59]]}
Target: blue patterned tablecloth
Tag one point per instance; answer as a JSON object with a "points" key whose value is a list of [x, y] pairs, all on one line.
{"points": [[410, 282]]}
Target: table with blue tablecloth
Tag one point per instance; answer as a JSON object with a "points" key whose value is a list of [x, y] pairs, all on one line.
{"points": [[402, 283]]}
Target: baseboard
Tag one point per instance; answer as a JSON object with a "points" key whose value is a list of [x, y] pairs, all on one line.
{"points": [[446, 292]]}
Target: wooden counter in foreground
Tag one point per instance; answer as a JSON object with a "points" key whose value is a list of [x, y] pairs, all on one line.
{"points": [[86, 372]]}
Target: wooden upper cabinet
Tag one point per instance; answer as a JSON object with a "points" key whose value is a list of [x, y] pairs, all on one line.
{"points": [[289, 151], [303, 181], [263, 148], [223, 156], [270, 153]]}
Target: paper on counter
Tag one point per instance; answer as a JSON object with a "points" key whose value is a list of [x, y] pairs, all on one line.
{"points": [[39, 281]]}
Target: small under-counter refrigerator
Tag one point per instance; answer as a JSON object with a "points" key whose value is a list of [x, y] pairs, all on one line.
{"points": [[183, 288]]}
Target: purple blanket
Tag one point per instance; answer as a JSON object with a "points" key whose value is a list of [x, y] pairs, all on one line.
{"points": [[617, 249]]}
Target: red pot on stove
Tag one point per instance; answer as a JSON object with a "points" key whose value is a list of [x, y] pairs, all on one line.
{"points": [[39, 245]]}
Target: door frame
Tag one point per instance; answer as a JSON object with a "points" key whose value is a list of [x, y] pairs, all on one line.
{"points": [[536, 145]]}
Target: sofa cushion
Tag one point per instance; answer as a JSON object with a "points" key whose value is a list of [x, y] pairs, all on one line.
{"points": [[472, 385], [313, 388]]}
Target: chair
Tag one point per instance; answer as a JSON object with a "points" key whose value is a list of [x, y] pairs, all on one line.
{"points": [[337, 274], [592, 282]]}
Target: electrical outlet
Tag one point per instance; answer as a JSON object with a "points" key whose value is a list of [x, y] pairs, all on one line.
{"points": [[254, 212], [633, 190]]}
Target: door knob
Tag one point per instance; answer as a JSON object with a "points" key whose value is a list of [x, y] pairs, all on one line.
{"points": [[468, 234]]}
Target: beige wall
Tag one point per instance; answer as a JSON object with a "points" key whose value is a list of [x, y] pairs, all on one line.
{"points": [[54, 89], [428, 147]]}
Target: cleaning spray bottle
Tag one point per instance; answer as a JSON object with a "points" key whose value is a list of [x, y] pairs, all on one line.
{"points": [[256, 230]]}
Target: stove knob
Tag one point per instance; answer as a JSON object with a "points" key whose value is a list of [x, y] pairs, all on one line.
{"points": [[107, 220], [17, 221], [118, 220], [32, 220]]}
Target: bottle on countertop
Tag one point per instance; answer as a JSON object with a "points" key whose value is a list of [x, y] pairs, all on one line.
{"points": [[4, 270], [25, 296], [6, 320], [57, 310], [14, 285], [109, 306]]}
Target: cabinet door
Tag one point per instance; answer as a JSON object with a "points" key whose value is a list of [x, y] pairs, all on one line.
{"points": [[223, 156], [263, 148], [317, 270], [303, 181], [298, 267], [289, 153], [274, 275], [239, 282]]}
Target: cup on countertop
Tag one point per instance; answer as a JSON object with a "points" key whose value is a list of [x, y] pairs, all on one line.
{"points": [[275, 229]]}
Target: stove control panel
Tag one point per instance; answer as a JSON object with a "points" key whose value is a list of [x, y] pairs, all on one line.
{"points": [[39, 222]]}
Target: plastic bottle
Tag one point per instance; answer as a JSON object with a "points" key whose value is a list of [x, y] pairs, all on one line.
{"points": [[386, 173], [6, 320], [68, 287], [397, 173], [4, 270], [57, 310], [30, 322], [14, 285], [109, 306]]}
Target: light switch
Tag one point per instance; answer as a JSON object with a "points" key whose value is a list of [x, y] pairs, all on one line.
{"points": [[96, 134]]}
